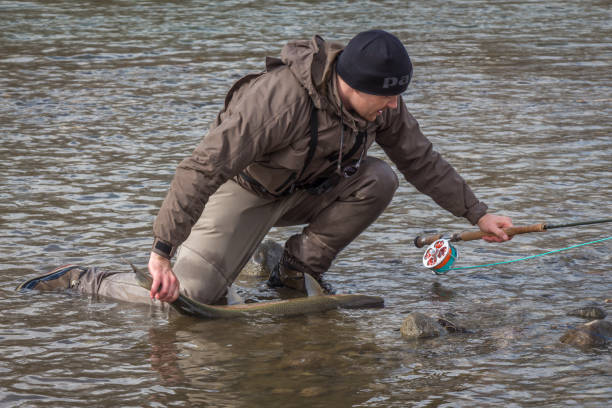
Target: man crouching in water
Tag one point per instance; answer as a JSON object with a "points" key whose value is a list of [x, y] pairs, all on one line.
{"points": [[290, 148]]}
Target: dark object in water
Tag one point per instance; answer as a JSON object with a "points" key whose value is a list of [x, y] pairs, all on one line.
{"points": [[588, 312], [450, 325], [264, 259], [592, 334], [420, 326]]}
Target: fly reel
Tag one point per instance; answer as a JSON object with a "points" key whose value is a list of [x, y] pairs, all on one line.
{"points": [[440, 256]]}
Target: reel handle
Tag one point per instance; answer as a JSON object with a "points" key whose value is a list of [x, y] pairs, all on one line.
{"points": [[420, 242]]}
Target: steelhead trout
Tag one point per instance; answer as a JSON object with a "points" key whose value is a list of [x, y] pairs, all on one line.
{"points": [[315, 302]]}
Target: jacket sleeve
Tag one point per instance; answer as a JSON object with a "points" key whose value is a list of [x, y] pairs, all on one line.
{"points": [[423, 167], [258, 124]]}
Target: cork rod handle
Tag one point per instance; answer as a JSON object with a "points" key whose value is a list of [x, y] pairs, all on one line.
{"points": [[420, 242], [472, 235]]}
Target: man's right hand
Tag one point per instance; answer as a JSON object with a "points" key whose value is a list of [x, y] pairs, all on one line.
{"points": [[165, 285]]}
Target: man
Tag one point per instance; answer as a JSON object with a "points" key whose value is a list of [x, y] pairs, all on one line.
{"points": [[290, 148]]}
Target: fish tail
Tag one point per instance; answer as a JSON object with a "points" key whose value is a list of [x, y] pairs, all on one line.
{"points": [[143, 279]]}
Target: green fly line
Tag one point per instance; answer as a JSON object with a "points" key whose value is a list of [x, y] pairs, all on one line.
{"points": [[530, 257]]}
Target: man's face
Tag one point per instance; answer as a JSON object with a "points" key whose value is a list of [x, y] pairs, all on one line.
{"points": [[370, 106]]}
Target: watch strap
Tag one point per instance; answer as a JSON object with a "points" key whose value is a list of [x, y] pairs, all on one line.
{"points": [[163, 248]]}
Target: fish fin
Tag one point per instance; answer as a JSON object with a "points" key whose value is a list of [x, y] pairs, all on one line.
{"points": [[233, 298], [312, 286]]}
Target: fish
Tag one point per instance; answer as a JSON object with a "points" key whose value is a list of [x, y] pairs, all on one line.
{"points": [[316, 302]]}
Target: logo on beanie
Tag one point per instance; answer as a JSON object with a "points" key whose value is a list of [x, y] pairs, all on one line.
{"points": [[394, 81]]}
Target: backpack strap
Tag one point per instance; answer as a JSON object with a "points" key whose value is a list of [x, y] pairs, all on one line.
{"points": [[314, 138], [312, 147], [283, 190]]}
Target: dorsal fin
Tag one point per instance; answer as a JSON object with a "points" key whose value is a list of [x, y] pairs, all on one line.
{"points": [[312, 286], [232, 296]]}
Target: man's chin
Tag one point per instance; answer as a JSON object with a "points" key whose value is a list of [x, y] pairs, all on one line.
{"points": [[374, 116], [371, 117]]}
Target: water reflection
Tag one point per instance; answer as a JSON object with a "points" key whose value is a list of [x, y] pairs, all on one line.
{"points": [[263, 360], [442, 293]]}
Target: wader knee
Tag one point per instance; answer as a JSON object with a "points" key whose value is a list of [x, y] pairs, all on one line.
{"points": [[335, 219]]}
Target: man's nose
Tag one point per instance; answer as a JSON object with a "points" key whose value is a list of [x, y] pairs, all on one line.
{"points": [[392, 103]]}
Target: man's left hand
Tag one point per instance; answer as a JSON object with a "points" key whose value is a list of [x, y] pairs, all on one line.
{"points": [[492, 225]]}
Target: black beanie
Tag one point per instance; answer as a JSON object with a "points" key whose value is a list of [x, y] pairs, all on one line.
{"points": [[375, 62]]}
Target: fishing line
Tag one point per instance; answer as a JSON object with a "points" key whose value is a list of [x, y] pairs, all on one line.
{"points": [[442, 270]]}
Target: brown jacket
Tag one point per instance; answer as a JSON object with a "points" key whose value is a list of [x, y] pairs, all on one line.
{"points": [[263, 132]]}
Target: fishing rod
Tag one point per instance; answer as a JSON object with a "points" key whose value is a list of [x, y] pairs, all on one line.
{"points": [[440, 256], [420, 242]]}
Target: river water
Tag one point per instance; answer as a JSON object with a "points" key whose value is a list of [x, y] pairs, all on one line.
{"points": [[99, 101]]}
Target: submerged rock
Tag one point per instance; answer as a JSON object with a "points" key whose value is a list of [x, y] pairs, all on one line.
{"points": [[451, 326], [588, 312], [592, 334], [264, 259], [312, 391], [419, 326]]}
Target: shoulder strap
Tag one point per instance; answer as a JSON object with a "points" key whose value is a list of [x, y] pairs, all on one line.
{"points": [[312, 146], [314, 138]]}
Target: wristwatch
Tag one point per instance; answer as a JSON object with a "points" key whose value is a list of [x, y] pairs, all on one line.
{"points": [[163, 248]]}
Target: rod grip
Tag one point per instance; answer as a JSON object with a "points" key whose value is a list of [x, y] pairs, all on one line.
{"points": [[472, 235]]}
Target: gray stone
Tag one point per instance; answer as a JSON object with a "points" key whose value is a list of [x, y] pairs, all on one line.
{"points": [[588, 312], [264, 259], [449, 322], [592, 334], [419, 326]]}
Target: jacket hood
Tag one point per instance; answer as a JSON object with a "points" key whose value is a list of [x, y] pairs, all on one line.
{"points": [[312, 62]]}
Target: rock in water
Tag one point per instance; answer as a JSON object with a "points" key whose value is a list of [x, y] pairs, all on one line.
{"points": [[419, 326], [264, 259], [450, 325], [588, 312], [592, 334]]}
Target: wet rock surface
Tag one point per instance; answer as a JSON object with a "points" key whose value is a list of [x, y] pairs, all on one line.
{"points": [[450, 324], [588, 312], [420, 326], [592, 334], [264, 259]]}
